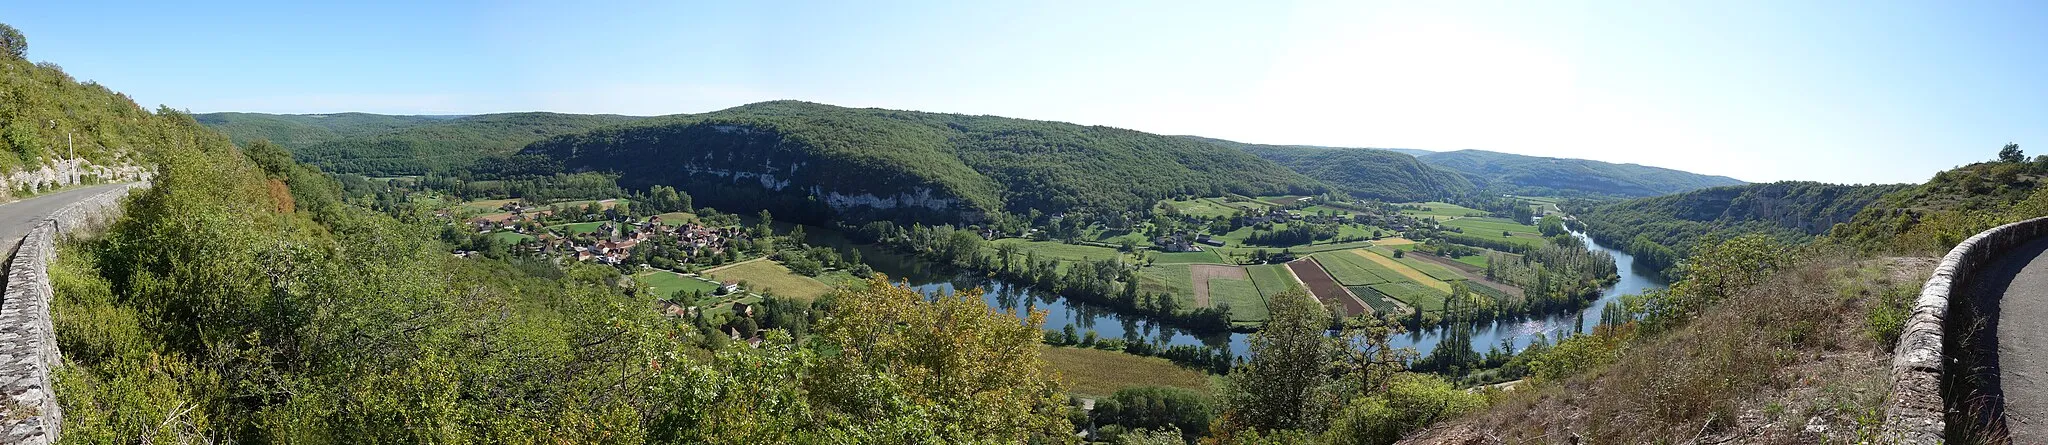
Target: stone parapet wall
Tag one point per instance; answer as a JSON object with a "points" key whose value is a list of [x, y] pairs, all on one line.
{"points": [[1915, 413], [28, 342]]}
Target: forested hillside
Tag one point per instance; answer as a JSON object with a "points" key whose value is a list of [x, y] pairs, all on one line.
{"points": [[1661, 230], [302, 130], [1363, 172], [863, 163], [1541, 176], [380, 145], [48, 118]]}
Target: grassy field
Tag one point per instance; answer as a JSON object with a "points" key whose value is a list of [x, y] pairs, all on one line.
{"points": [[1102, 235], [1433, 270], [1351, 270], [1058, 250], [1271, 279], [1493, 229], [666, 283], [771, 277], [483, 206], [509, 237], [1246, 305], [1170, 279], [1414, 295], [1099, 373], [1206, 256], [677, 217], [1478, 261], [1442, 210], [1379, 302], [1405, 271], [575, 228]]}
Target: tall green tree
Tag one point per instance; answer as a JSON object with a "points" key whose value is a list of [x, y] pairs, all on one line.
{"points": [[12, 42], [1283, 385], [2011, 153]]}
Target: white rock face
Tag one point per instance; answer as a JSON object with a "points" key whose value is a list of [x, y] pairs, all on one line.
{"points": [[67, 172]]}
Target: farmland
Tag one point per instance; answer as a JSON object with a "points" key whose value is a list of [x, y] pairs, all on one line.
{"points": [[1441, 210], [1405, 271], [1271, 279], [666, 283], [1415, 295], [1246, 305], [1350, 270], [1203, 257], [1094, 372], [1325, 288], [765, 276]]}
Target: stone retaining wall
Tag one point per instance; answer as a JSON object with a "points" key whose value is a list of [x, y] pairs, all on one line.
{"points": [[1915, 413], [28, 343]]}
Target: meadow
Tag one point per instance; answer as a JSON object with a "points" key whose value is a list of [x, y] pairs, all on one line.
{"points": [[766, 276], [1099, 373], [666, 283]]}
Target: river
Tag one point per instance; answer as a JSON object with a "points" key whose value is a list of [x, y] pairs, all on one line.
{"points": [[1108, 324]]}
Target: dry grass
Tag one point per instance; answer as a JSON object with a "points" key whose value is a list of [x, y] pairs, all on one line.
{"points": [[1095, 372], [1790, 361]]}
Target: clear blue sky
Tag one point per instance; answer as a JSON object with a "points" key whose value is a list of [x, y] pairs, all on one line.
{"points": [[1852, 92]]}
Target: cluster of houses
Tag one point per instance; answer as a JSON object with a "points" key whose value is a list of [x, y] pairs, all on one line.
{"points": [[1182, 241], [612, 242]]}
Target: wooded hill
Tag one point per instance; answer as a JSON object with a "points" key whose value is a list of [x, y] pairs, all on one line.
{"points": [[1659, 231], [1541, 176], [46, 116], [1930, 218], [1363, 172], [380, 145], [865, 162]]}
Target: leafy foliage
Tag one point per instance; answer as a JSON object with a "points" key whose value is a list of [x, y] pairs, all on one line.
{"points": [[1541, 176], [1362, 172]]}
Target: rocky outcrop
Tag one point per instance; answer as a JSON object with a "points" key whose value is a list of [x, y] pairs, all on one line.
{"points": [[1916, 412], [66, 173], [28, 343]]}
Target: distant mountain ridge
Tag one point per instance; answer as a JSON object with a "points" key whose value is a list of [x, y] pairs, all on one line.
{"points": [[1545, 176], [1382, 174], [382, 145]]}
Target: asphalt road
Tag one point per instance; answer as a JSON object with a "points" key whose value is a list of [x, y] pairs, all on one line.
{"points": [[17, 217], [2014, 291]]}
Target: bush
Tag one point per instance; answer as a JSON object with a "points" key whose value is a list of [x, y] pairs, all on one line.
{"points": [[1411, 402]]}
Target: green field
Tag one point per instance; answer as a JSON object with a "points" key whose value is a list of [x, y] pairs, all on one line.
{"points": [[1352, 270], [509, 237], [1102, 235], [1057, 250], [1099, 373], [1442, 210], [1170, 279], [1271, 279], [1478, 261], [1243, 297], [666, 283], [483, 206], [770, 277], [1376, 300], [1414, 295], [677, 217], [1204, 257], [575, 228], [1434, 270], [1492, 228]]}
